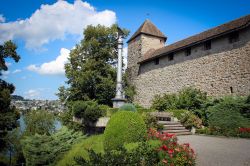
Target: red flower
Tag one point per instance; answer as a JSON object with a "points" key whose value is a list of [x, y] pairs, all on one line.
{"points": [[192, 151], [164, 147], [170, 151], [186, 144], [241, 129]]}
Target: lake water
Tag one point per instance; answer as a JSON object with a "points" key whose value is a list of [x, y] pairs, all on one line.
{"points": [[58, 124]]}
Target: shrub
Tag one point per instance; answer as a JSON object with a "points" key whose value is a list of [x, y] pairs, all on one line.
{"points": [[127, 107], [90, 111], [244, 132], [191, 98], [46, 150], [225, 118], [78, 108], [151, 121], [188, 98], [237, 103], [190, 120], [66, 118], [143, 154], [124, 127], [104, 109], [111, 111], [178, 113], [142, 110], [204, 130], [170, 151], [167, 101]]}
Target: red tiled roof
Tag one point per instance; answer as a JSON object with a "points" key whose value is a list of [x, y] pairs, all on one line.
{"points": [[148, 28]]}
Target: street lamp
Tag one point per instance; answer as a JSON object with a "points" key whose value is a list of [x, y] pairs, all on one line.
{"points": [[119, 99]]}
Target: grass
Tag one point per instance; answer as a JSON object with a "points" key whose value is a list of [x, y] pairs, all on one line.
{"points": [[95, 143], [134, 145], [80, 149]]}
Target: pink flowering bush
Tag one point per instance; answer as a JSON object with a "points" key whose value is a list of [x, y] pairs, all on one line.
{"points": [[170, 152]]}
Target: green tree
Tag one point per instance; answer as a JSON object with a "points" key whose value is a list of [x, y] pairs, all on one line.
{"points": [[46, 150], [91, 69], [8, 115], [40, 122], [12, 154]]}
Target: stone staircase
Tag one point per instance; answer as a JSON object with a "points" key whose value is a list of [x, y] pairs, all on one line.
{"points": [[170, 125]]}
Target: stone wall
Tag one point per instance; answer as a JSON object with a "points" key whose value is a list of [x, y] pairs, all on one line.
{"points": [[217, 74], [222, 70], [137, 48]]}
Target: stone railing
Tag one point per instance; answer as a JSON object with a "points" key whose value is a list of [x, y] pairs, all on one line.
{"points": [[165, 116]]}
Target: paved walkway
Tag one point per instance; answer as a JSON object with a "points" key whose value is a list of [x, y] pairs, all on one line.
{"points": [[219, 151]]}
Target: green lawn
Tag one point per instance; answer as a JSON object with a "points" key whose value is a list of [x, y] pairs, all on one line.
{"points": [[95, 143], [80, 149]]}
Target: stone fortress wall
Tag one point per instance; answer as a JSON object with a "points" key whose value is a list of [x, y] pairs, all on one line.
{"points": [[222, 70]]}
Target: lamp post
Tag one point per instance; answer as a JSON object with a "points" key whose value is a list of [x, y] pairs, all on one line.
{"points": [[119, 100]]}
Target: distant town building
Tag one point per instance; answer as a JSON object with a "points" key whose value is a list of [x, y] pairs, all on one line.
{"points": [[49, 105]]}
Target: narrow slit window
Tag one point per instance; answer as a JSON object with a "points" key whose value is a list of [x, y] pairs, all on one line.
{"points": [[171, 57], [231, 89], [207, 45], [188, 51], [233, 37], [156, 61]]}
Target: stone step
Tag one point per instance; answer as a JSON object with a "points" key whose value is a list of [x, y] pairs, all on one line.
{"points": [[174, 127], [183, 133], [169, 123], [179, 133], [175, 131]]}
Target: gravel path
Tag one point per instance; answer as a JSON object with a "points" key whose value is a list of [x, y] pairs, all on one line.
{"points": [[219, 151]]}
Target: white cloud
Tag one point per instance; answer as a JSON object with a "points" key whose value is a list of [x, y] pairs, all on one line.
{"points": [[32, 94], [5, 73], [8, 64], [55, 67], [2, 19], [55, 21], [5, 77], [16, 71], [23, 77]]}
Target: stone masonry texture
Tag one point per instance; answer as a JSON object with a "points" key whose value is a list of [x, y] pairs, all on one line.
{"points": [[225, 71]]}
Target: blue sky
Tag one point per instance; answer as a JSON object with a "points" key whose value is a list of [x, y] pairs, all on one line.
{"points": [[46, 30]]}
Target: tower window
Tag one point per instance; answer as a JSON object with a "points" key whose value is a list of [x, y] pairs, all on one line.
{"points": [[156, 61], [171, 57], [234, 37], [207, 45], [188, 51], [231, 89]]}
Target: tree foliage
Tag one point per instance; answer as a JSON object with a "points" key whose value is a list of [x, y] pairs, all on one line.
{"points": [[143, 154], [47, 150], [228, 115], [40, 122], [90, 111], [8, 115], [90, 71]]}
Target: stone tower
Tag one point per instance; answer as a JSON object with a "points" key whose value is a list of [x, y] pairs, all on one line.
{"points": [[145, 40]]}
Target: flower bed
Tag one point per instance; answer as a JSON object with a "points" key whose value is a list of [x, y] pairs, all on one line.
{"points": [[244, 132], [170, 152]]}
